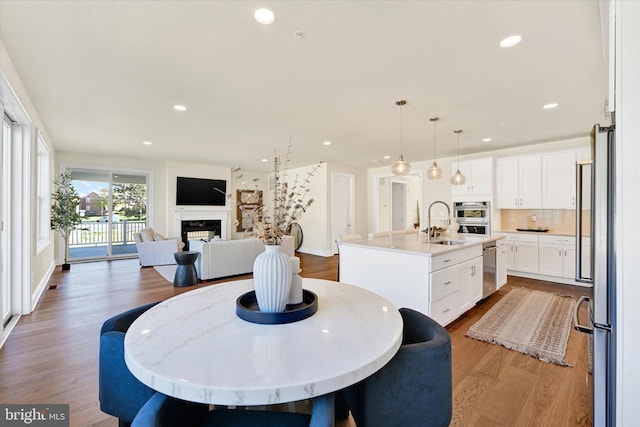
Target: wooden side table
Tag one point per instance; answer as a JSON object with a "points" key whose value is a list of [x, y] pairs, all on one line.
{"points": [[186, 274]]}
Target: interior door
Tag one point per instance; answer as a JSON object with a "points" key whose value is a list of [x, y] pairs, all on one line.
{"points": [[342, 207], [398, 206]]}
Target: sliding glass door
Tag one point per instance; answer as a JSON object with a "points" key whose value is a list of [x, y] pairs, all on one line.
{"points": [[113, 205]]}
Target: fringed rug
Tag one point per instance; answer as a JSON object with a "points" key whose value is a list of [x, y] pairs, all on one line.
{"points": [[531, 322]]}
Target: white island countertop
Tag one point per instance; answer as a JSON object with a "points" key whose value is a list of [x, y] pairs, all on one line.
{"points": [[416, 244]]}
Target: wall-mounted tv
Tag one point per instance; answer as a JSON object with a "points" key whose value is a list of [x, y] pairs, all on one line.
{"points": [[200, 192]]}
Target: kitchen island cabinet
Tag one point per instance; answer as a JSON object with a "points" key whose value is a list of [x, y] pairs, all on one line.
{"points": [[440, 281]]}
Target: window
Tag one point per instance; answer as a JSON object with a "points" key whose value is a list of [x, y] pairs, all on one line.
{"points": [[43, 180]]}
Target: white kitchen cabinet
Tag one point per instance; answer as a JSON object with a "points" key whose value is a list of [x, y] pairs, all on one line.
{"points": [[455, 289], [519, 182], [559, 180], [521, 252], [507, 247], [501, 266], [479, 180], [558, 256]]}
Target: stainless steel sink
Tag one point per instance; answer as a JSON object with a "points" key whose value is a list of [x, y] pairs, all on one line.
{"points": [[447, 242]]}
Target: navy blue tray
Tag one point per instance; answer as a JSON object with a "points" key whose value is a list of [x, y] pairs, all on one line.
{"points": [[247, 309]]}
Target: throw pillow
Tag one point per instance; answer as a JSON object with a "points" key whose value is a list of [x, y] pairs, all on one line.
{"points": [[146, 234], [158, 237]]}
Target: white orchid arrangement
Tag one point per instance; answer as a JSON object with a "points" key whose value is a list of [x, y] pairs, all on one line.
{"points": [[290, 202]]}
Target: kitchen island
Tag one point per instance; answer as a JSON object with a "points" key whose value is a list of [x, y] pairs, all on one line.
{"points": [[440, 280]]}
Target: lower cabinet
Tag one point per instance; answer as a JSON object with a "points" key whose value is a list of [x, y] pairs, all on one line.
{"points": [[521, 252], [455, 289], [558, 256], [501, 266]]}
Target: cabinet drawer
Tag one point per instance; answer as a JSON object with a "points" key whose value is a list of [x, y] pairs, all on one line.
{"points": [[455, 257], [524, 237], [445, 309], [559, 240], [442, 283]]}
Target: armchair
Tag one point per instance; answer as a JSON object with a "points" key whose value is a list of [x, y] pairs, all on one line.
{"points": [[119, 392], [154, 249]]}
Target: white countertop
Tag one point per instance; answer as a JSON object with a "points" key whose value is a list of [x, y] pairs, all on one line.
{"points": [[194, 347], [539, 233], [417, 243]]}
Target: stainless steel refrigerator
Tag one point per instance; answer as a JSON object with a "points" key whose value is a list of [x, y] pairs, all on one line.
{"points": [[596, 264]]}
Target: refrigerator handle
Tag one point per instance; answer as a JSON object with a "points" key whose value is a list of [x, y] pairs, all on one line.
{"points": [[579, 186], [576, 322]]}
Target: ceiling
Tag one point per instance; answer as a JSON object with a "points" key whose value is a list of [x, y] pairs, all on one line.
{"points": [[104, 77]]}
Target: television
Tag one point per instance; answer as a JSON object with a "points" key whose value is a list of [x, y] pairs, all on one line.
{"points": [[200, 191]]}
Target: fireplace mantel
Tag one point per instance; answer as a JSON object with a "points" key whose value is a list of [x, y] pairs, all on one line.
{"points": [[194, 214]]}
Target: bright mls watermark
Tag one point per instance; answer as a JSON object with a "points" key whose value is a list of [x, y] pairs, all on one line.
{"points": [[34, 415]]}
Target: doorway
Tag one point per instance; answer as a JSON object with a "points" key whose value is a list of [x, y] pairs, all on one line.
{"points": [[398, 206], [113, 207], [342, 206], [396, 202]]}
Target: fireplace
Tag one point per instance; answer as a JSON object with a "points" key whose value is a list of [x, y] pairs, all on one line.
{"points": [[202, 223], [199, 229]]}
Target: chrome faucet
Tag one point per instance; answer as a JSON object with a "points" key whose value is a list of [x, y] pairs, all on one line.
{"points": [[429, 218]]}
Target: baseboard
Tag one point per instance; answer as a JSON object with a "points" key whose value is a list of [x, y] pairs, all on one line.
{"points": [[8, 328], [42, 286], [554, 279], [316, 252]]}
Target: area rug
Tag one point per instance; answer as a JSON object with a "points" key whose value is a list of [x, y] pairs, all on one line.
{"points": [[166, 271], [531, 322]]}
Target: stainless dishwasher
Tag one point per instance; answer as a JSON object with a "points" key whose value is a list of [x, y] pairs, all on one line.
{"points": [[489, 252]]}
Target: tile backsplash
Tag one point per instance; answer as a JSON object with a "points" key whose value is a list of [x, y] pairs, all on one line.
{"points": [[556, 220]]}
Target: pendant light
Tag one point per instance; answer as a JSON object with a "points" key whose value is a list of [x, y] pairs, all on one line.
{"points": [[458, 178], [400, 167], [434, 172]]}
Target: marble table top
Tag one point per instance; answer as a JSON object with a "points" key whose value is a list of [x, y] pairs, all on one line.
{"points": [[194, 347]]}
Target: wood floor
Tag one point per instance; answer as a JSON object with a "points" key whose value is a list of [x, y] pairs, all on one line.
{"points": [[51, 356]]}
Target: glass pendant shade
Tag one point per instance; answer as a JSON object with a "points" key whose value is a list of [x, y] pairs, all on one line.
{"points": [[434, 172], [458, 178], [400, 167]]}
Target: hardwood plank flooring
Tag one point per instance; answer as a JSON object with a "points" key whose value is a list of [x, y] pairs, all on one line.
{"points": [[51, 356]]}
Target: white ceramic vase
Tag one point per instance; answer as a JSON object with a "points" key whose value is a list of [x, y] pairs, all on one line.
{"points": [[272, 279], [295, 293]]}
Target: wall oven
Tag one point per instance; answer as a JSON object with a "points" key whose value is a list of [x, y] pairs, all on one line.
{"points": [[473, 217]]}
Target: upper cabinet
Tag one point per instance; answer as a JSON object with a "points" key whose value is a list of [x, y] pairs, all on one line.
{"points": [[519, 182], [559, 179], [479, 180]]}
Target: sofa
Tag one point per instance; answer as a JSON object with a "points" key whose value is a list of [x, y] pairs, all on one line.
{"points": [[222, 258]]}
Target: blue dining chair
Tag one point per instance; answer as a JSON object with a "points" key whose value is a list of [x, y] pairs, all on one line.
{"points": [[165, 411], [414, 388], [120, 393]]}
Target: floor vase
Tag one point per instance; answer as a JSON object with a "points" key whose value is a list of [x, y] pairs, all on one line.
{"points": [[272, 279]]}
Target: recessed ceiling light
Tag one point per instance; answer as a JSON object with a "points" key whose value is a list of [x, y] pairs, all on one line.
{"points": [[510, 41], [326, 143], [550, 105], [386, 157], [264, 160], [147, 142], [486, 139], [264, 16], [180, 108]]}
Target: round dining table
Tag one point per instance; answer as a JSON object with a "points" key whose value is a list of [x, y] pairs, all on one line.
{"points": [[195, 347]]}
